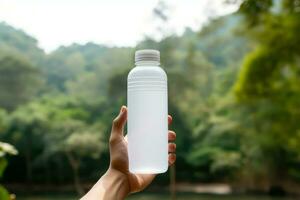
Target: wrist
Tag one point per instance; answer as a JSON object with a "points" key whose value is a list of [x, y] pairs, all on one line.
{"points": [[115, 183]]}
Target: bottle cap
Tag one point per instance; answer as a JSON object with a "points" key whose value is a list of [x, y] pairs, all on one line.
{"points": [[147, 55]]}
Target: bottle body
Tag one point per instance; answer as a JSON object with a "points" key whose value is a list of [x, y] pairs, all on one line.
{"points": [[147, 100]]}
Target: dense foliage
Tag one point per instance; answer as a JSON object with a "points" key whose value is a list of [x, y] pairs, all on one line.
{"points": [[234, 93]]}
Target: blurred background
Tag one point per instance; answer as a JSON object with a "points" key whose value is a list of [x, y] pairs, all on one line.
{"points": [[234, 93]]}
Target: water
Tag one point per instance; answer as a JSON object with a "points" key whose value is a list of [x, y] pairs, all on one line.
{"points": [[144, 196], [205, 197], [147, 100]]}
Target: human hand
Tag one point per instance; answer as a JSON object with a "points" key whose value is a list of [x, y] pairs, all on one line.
{"points": [[118, 182], [119, 154]]}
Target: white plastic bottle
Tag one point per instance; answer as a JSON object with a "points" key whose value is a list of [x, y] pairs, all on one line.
{"points": [[147, 100]]}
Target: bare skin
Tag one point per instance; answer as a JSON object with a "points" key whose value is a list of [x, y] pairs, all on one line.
{"points": [[118, 182]]}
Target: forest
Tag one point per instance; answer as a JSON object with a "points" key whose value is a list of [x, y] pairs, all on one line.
{"points": [[234, 94]]}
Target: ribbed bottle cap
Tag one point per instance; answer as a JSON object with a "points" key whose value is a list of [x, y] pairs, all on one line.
{"points": [[147, 55]]}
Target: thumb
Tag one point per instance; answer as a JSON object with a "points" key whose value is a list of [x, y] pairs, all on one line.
{"points": [[119, 123]]}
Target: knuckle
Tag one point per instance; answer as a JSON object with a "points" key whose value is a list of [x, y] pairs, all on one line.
{"points": [[112, 140], [172, 146], [116, 122]]}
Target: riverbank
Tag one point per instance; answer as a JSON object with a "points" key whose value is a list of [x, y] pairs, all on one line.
{"points": [[160, 196], [181, 188]]}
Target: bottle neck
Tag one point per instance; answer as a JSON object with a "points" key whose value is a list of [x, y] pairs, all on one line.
{"points": [[147, 63]]}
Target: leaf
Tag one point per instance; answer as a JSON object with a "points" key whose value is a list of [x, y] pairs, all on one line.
{"points": [[3, 164], [4, 195], [6, 148]]}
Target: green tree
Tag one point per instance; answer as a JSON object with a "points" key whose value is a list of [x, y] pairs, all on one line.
{"points": [[268, 89], [19, 81], [71, 136], [75, 140], [27, 125]]}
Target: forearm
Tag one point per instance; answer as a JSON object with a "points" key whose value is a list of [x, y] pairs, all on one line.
{"points": [[111, 186]]}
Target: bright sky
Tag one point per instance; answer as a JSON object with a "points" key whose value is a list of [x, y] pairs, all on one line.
{"points": [[110, 22]]}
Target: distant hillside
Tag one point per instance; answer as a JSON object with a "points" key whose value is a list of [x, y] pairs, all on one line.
{"points": [[15, 41], [69, 63], [217, 42], [220, 41]]}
